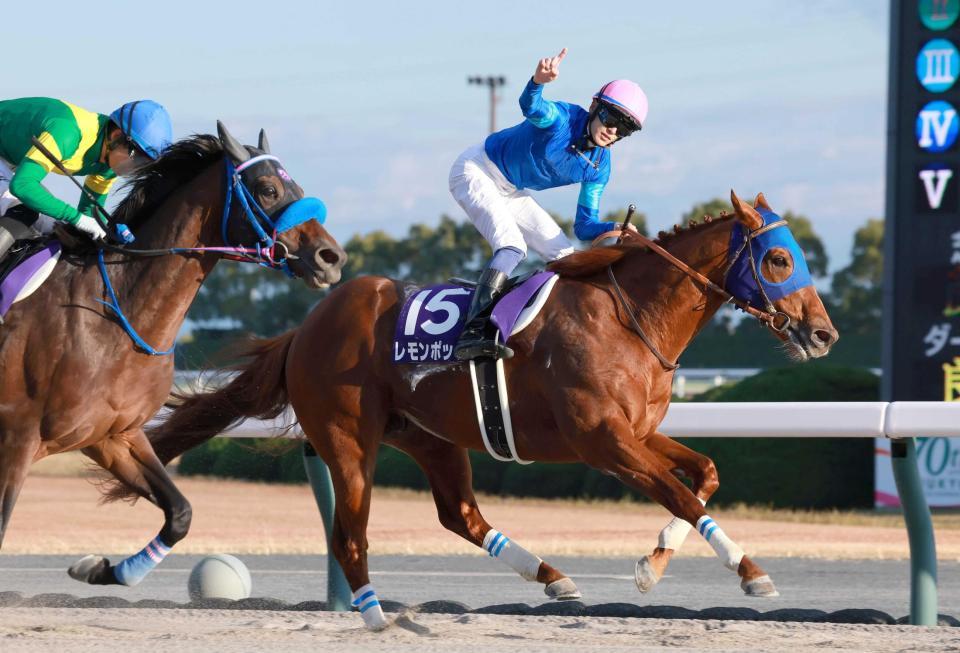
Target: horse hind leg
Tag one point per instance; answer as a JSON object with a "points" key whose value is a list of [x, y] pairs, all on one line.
{"points": [[130, 458], [349, 450], [16, 454], [447, 468]]}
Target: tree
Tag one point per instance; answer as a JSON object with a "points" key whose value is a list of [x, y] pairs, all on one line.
{"points": [[857, 293]]}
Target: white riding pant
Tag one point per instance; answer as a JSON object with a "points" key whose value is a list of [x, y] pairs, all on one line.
{"points": [[44, 224], [504, 215]]}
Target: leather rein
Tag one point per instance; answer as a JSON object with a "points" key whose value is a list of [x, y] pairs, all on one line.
{"points": [[776, 320]]}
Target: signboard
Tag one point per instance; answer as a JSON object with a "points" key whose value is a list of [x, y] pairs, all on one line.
{"points": [[922, 235]]}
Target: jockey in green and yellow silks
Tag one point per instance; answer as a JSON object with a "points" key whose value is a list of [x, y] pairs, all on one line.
{"points": [[94, 145]]}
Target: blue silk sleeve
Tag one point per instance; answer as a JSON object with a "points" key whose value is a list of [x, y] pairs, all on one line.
{"points": [[587, 225], [539, 112]]}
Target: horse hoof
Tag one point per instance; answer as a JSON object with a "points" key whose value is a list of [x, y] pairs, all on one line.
{"points": [[562, 590], [89, 569], [374, 620], [644, 575], [761, 586]]}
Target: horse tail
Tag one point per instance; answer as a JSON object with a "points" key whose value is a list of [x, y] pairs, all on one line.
{"points": [[257, 391]]}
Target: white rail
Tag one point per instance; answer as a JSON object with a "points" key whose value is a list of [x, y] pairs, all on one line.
{"points": [[855, 419]]}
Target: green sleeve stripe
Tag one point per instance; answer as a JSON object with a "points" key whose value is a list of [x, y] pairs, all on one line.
{"points": [[26, 187]]}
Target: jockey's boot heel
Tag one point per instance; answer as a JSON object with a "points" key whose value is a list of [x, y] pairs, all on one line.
{"points": [[473, 342]]}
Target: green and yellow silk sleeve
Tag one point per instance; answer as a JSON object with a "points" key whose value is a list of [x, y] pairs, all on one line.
{"points": [[27, 187], [62, 139]]}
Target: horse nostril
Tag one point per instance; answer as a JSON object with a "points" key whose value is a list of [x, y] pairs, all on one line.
{"points": [[824, 338], [327, 257]]}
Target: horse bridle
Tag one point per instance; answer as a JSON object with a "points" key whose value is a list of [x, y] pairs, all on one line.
{"points": [[264, 253], [777, 321]]}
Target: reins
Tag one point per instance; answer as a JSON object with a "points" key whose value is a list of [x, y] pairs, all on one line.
{"points": [[264, 253], [772, 318]]}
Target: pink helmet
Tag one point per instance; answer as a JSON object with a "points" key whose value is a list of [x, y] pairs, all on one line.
{"points": [[626, 96]]}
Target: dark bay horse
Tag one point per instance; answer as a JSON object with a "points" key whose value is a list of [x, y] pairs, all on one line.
{"points": [[584, 387], [71, 378]]}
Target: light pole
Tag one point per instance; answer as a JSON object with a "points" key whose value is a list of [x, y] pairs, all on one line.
{"points": [[493, 83]]}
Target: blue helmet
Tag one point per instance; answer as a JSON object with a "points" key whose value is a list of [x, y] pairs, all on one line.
{"points": [[147, 124]]}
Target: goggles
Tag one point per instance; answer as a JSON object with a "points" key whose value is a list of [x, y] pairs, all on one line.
{"points": [[610, 117]]}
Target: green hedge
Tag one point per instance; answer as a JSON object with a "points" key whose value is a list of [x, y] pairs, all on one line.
{"points": [[783, 472]]}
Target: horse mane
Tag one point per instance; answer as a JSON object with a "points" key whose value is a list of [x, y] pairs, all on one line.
{"points": [[180, 163], [589, 262]]}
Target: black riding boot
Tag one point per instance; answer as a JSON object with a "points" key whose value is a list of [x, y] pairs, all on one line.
{"points": [[16, 225], [6, 242], [473, 341]]}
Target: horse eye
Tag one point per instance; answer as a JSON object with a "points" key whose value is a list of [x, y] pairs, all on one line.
{"points": [[269, 191], [780, 261]]}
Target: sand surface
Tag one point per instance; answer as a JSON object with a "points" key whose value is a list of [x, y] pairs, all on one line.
{"points": [[62, 515], [188, 631]]}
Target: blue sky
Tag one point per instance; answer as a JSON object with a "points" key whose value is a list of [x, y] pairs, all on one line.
{"points": [[368, 104]]}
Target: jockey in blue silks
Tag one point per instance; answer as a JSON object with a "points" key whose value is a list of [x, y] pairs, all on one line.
{"points": [[558, 144]]}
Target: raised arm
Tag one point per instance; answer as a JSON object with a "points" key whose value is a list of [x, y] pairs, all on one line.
{"points": [[541, 113]]}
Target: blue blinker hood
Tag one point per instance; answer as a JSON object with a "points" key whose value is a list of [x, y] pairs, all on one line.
{"points": [[307, 208], [740, 281]]}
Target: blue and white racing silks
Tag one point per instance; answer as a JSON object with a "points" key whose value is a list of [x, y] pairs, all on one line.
{"points": [[541, 153]]}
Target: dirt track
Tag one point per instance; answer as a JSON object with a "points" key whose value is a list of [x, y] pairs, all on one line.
{"points": [[61, 515], [97, 630]]}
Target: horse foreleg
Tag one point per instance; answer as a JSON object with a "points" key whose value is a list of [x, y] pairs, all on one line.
{"points": [[621, 454], [447, 468], [704, 482], [17, 451], [130, 458]]}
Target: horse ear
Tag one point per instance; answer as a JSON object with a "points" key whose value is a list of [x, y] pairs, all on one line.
{"points": [[761, 202], [232, 146], [745, 213], [264, 144]]}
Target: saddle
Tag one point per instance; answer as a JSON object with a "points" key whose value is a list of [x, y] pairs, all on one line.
{"points": [[25, 268], [430, 323], [433, 317]]}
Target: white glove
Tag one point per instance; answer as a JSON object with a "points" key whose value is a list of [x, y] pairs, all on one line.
{"points": [[91, 227]]}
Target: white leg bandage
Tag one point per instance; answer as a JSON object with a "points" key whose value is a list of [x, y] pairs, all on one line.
{"points": [[673, 535], [725, 548], [520, 560], [366, 602]]}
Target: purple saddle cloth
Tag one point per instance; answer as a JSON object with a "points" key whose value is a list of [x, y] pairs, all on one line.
{"points": [[20, 276], [432, 318]]}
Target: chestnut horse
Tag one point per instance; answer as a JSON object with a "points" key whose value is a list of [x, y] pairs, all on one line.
{"points": [[71, 377], [584, 388]]}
